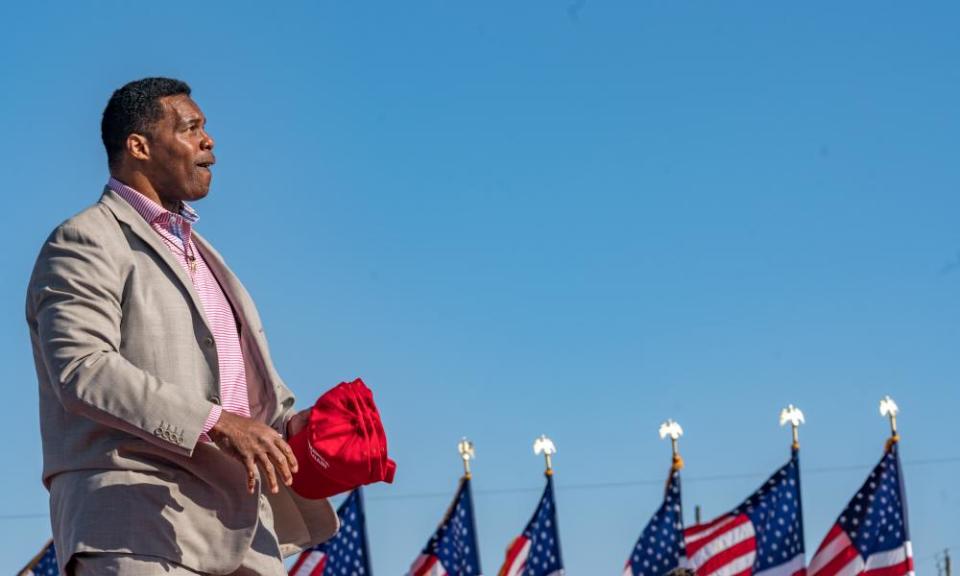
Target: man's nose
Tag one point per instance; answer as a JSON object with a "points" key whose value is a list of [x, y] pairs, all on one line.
{"points": [[207, 142]]}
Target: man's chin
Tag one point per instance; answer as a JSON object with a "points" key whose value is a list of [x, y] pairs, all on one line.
{"points": [[201, 185], [199, 193]]}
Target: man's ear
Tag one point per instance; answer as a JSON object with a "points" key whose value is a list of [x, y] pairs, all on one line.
{"points": [[138, 147]]}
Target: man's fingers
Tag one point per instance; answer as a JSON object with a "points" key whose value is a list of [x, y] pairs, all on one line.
{"points": [[280, 462], [288, 453], [251, 466], [267, 466], [256, 445]]}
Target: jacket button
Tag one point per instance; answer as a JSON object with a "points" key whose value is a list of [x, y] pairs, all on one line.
{"points": [[215, 400], [208, 341]]}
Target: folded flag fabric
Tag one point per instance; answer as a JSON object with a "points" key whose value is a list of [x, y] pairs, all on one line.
{"points": [[346, 554], [453, 547], [659, 550], [763, 536], [43, 564], [536, 552], [871, 536], [343, 445]]}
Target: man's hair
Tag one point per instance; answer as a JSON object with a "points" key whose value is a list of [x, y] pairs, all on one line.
{"points": [[134, 108]]}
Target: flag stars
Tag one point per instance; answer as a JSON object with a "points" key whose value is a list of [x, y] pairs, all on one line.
{"points": [[660, 545]]}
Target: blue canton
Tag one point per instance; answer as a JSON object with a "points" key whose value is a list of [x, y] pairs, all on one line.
{"points": [[47, 564], [876, 517], [544, 557], [660, 546], [777, 516], [346, 553], [455, 541]]}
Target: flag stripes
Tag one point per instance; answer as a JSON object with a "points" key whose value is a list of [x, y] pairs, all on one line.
{"points": [[453, 548], [764, 535], [346, 553], [871, 536], [761, 537], [310, 563]]}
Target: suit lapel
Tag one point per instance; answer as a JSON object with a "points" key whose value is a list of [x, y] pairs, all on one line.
{"points": [[243, 307], [230, 284], [125, 213]]}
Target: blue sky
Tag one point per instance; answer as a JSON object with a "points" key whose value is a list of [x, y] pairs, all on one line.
{"points": [[572, 218]]}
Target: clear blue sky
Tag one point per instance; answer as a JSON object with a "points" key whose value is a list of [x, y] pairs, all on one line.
{"points": [[571, 217]]}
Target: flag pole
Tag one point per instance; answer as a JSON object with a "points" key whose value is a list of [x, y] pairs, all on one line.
{"points": [[674, 431], [467, 453], [889, 409], [794, 416], [545, 446]]}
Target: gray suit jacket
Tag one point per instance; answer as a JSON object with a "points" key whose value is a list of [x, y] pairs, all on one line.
{"points": [[128, 372]]}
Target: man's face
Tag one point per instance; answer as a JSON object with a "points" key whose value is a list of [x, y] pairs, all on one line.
{"points": [[181, 151]]}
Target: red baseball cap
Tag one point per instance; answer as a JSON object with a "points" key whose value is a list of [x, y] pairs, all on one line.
{"points": [[344, 444]]}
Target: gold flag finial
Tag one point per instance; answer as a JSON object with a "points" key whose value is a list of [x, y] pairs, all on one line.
{"points": [[674, 431], [890, 409], [467, 453], [794, 416], [545, 446]]}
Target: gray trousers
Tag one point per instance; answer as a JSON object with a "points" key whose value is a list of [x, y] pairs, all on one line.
{"points": [[254, 563], [109, 563]]}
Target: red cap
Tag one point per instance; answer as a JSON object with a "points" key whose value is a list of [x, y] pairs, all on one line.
{"points": [[343, 445]]}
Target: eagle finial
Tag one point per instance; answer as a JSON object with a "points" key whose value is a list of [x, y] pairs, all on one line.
{"points": [[545, 446], [890, 409], [794, 416], [467, 453], [672, 429]]}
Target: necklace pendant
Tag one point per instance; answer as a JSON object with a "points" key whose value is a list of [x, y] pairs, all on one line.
{"points": [[193, 264]]}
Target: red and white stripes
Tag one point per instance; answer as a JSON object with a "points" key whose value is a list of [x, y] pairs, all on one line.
{"points": [[427, 565], [725, 547], [837, 556], [310, 563], [517, 554]]}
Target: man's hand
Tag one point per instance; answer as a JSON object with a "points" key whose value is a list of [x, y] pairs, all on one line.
{"points": [[255, 444]]}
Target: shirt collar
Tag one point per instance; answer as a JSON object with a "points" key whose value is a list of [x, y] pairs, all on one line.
{"points": [[150, 210]]}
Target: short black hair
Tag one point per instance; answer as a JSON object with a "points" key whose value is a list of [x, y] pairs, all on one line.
{"points": [[134, 108]]}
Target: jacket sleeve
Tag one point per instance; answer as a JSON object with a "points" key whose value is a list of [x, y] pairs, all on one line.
{"points": [[75, 306], [285, 401]]}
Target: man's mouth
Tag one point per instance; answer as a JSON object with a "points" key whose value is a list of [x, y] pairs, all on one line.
{"points": [[206, 164]]}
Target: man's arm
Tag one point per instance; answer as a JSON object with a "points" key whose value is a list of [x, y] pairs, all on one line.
{"points": [[75, 302]]}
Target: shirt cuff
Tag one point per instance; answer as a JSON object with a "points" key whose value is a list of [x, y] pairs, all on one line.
{"points": [[212, 418]]}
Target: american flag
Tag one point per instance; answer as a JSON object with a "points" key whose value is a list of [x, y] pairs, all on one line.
{"points": [[871, 536], [660, 549], [536, 552], [346, 554], [43, 564], [453, 547], [762, 537]]}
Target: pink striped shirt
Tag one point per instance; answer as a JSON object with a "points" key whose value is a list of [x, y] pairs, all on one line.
{"points": [[176, 232]]}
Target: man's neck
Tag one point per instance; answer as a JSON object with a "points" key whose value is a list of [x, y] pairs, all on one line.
{"points": [[139, 182]]}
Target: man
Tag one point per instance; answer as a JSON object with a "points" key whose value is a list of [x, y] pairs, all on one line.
{"points": [[162, 417]]}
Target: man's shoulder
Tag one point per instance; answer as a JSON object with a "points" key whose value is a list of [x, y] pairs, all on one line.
{"points": [[87, 236], [93, 230], [94, 221]]}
